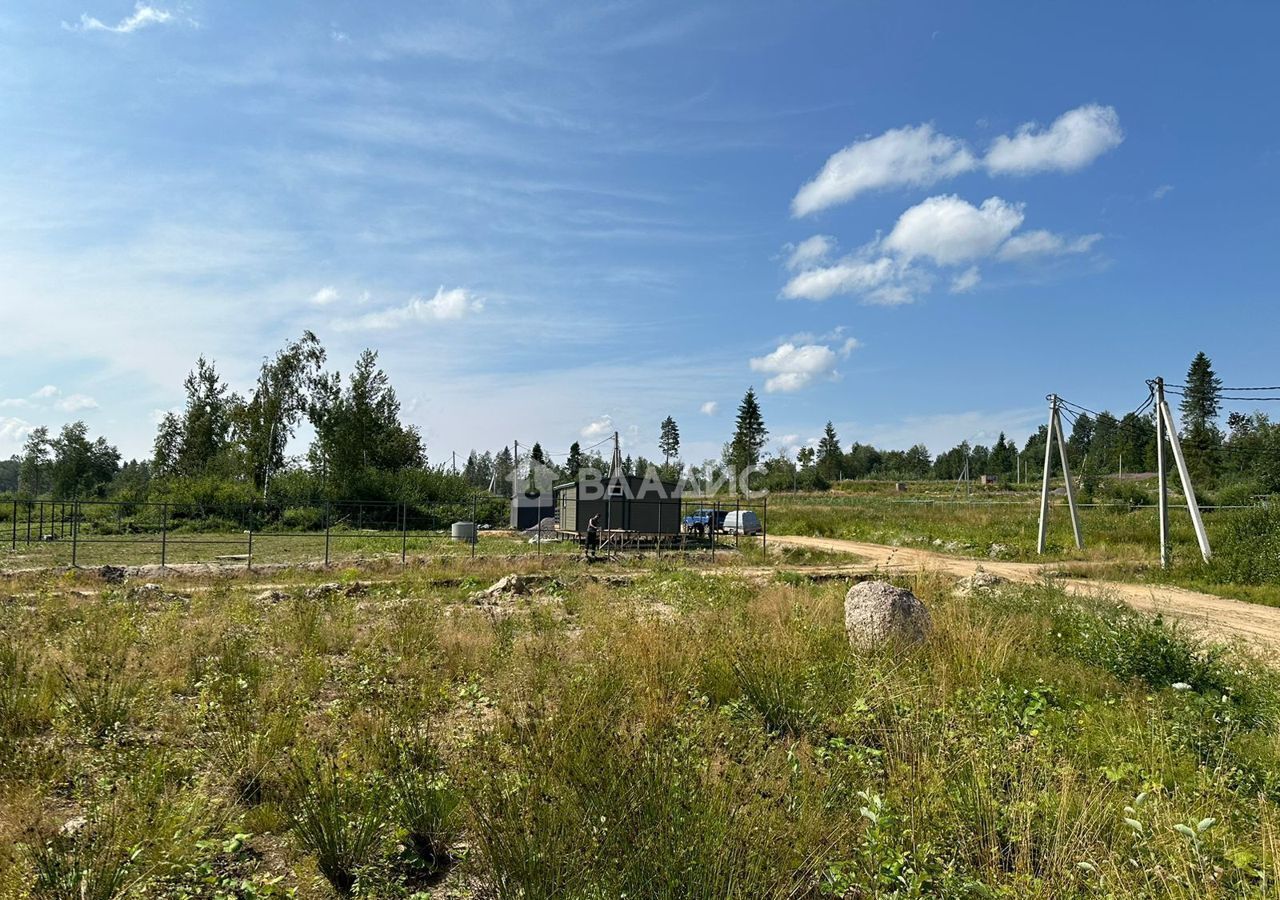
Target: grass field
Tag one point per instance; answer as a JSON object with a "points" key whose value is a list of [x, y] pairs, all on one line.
{"points": [[668, 732], [1120, 543]]}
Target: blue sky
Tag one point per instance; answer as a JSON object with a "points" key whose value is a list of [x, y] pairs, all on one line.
{"points": [[554, 220]]}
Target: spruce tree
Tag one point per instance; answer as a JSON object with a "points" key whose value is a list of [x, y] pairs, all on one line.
{"points": [[573, 464], [749, 434], [829, 454], [669, 440], [1201, 439]]}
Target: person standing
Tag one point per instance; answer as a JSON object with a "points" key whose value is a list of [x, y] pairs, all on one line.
{"points": [[593, 536]]}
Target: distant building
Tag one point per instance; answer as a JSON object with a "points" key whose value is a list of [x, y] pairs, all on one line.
{"points": [[528, 508], [623, 502]]}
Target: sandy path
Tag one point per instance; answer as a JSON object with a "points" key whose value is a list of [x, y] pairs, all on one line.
{"points": [[1210, 615]]}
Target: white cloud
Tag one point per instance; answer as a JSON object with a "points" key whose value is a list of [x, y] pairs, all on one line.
{"points": [[966, 280], [598, 428], [51, 396], [1161, 192], [76, 403], [809, 252], [143, 15], [710, 408], [14, 431], [916, 156], [1075, 139], [792, 366], [449, 305], [937, 233], [326, 295], [1037, 243], [949, 230], [848, 276]]}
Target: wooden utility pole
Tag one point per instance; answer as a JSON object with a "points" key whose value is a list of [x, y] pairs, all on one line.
{"points": [[1055, 432]]}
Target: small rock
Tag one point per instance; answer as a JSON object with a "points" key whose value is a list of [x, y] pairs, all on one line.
{"points": [[998, 551], [72, 827], [270, 597], [507, 584], [979, 582], [876, 612], [320, 591], [112, 574]]}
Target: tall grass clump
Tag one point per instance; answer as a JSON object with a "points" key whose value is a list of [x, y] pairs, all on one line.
{"points": [[339, 815]]}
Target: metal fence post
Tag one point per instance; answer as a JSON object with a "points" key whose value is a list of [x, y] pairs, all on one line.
{"points": [[404, 532], [737, 525], [326, 534], [28, 505], [42, 531], [764, 529], [164, 534], [15, 525], [249, 561], [475, 527], [75, 529], [711, 528]]}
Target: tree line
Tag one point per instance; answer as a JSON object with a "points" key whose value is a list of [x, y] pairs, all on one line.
{"points": [[226, 447]]}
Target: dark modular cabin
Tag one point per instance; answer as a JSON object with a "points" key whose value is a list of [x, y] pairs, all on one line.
{"points": [[530, 508], [623, 503]]}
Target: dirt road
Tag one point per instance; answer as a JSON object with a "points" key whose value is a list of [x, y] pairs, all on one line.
{"points": [[1207, 614]]}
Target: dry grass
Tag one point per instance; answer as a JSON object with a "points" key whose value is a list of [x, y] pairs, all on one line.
{"points": [[680, 733]]}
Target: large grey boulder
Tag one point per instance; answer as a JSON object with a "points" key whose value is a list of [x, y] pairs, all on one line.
{"points": [[876, 613]]}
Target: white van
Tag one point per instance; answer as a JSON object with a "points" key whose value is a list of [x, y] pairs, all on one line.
{"points": [[742, 522]]}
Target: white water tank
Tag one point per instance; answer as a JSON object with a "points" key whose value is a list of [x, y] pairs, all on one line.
{"points": [[464, 531]]}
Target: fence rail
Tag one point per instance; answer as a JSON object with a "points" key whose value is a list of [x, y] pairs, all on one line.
{"points": [[116, 532]]}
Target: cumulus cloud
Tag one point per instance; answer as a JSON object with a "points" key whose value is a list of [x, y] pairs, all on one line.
{"points": [[13, 430], [848, 276], [916, 156], [51, 396], [599, 428], [143, 16], [794, 366], [76, 403], [939, 233], [446, 305], [966, 280], [1075, 139], [326, 295], [710, 408], [1161, 192], [1038, 243], [810, 251], [948, 230], [919, 156]]}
